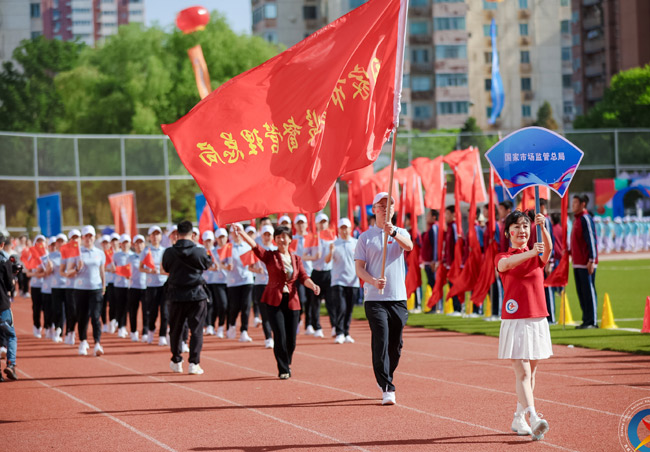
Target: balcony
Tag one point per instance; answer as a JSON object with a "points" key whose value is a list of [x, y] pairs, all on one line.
{"points": [[590, 2], [422, 95], [421, 68], [594, 70], [420, 11], [594, 45], [452, 94], [591, 22], [524, 14], [525, 68], [595, 92], [527, 95], [424, 39], [524, 41]]}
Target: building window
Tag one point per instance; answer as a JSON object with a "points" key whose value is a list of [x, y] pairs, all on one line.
{"points": [[56, 15], [419, 28], [451, 51], [566, 53], [258, 15], [271, 36], [576, 63], [488, 111], [489, 5], [422, 111], [420, 55], [576, 39], [36, 34], [404, 108], [574, 17], [488, 84], [35, 10], [486, 31], [270, 11], [523, 4], [564, 2], [523, 29], [525, 111], [448, 1], [83, 23], [577, 87], [406, 81], [453, 108], [568, 107], [356, 3], [418, 2], [309, 12], [524, 56], [136, 1], [488, 57], [444, 80], [526, 84], [565, 27], [449, 23], [81, 10], [420, 83], [109, 13], [566, 81], [57, 27]]}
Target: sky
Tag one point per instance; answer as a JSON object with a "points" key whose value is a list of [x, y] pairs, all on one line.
{"points": [[237, 12]]}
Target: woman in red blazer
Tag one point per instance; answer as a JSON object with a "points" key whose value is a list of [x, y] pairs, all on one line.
{"points": [[281, 294]]}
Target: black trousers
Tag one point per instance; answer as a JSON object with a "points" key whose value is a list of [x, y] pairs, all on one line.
{"points": [[156, 302], [345, 298], [46, 304], [258, 290], [192, 312], [323, 279], [58, 307], [23, 282], [284, 323], [386, 320], [70, 311], [37, 305], [120, 300], [239, 300], [496, 296], [586, 288], [309, 306], [89, 305], [219, 309], [107, 302], [135, 298]]}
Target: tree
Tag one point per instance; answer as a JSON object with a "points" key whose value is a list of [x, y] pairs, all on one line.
{"points": [[545, 117], [472, 135], [626, 102]]}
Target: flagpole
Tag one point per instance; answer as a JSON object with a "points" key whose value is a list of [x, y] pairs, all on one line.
{"points": [[388, 204]]}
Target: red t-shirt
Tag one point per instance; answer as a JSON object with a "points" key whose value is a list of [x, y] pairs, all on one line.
{"points": [[523, 288]]}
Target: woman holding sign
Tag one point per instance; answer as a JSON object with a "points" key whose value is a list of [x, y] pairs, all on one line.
{"points": [[281, 294], [524, 337]]}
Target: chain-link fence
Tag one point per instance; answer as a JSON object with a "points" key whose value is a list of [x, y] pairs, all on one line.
{"points": [[85, 169]]}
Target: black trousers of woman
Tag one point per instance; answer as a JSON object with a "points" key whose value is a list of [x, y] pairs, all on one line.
{"points": [[284, 323], [239, 300], [120, 300], [70, 311], [89, 305], [46, 304], [37, 305], [135, 298], [258, 290], [58, 307], [219, 311]]}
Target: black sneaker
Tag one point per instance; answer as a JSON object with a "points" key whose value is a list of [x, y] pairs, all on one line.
{"points": [[10, 371]]}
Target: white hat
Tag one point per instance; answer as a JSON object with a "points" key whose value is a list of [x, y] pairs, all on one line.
{"points": [[321, 217], [284, 219], [74, 232], [105, 238], [617, 220], [61, 237], [115, 236], [51, 240], [125, 238], [153, 229], [196, 231], [222, 233], [380, 196], [300, 217], [597, 219], [138, 237], [39, 237], [345, 222], [207, 235], [267, 228], [174, 228], [250, 229], [88, 229]]}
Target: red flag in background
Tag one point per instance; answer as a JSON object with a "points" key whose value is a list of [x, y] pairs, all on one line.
{"points": [[70, 249], [560, 276], [248, 258], [414, 274], [327, 235], [454, 271], [487, 273], [441, 274], [123, 270], [225, 251], [200, 69], [206, 221], [109, 255], [36, 256], [40, 249], [125, 216], [433, 176], [148, 261], [311, 240], [466, 165], [292, 123], [528, 197]]}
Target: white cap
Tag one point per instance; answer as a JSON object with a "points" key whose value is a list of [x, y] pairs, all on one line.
{"points": [[267, 228], [617, 220], [74, 232], [344, 222], [321, 217], [88, 229], [597, 219], [250, 229], [51, 240], [138, 237], [207, 235], [300, 217], [39, 237], [284, 219], [196, 231], [222, 233], [380, 196], [174, 228], [62, 237], [105, 238], [115, 236], [125, 238], [153, 229]]}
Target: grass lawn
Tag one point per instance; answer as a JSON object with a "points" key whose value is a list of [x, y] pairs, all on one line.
{"points": [[626, 282]]}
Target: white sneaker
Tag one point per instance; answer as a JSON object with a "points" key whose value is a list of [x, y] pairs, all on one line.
{"points": [[56, 337], [48, 333], [66, 341], [319, 333], [99, 350], [232, 332], [309, 331], [83, 348], [145, 338], [257, 322], [244, 337], [162, 341], [269, 343], [333, 331], [209, 331], [3, 352], [195, 369], [105, 328], [73, 338], [150, 337], [185, 348], [349, 340], [220, 332], [539, 427], [388, 398], [135, 337], [122, 333], [520, 426], [37, 332], [339, 339], [112, 326], [177, 368]]}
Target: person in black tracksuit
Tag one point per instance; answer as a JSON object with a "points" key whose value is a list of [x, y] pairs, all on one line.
{"points": [[185, 262]]}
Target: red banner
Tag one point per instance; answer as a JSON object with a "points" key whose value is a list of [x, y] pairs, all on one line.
{"points": [[276, 138], [124, 211]]}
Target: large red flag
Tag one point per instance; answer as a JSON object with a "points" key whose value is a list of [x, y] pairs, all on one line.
{"points": [[466, 165], [433, 175], [296, 123], [125, 215], [441, 274], [414, 274], [487, 274], [560, 276]]}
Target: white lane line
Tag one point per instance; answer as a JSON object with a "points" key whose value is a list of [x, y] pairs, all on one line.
{"points": [[363, 396], [102, 412]]}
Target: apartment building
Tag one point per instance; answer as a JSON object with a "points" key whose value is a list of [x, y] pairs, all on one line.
{"points": [[19, 19], [287, 22]]}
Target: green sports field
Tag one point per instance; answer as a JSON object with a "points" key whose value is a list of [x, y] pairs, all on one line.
{"points": [[628, 284]]}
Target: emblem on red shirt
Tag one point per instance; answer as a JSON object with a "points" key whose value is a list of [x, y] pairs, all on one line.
{"points": [[511, 306]]}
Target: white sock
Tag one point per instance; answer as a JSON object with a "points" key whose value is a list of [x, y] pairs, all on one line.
{"points": [[532, 413], [520, 408]]}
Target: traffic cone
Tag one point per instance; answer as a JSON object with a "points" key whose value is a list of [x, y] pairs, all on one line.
{"points": [[410, 303], [565, 311], [646, 317], [487, 307], [607, 322]]}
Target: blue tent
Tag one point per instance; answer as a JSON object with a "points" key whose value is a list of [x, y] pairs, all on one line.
{"points": [[617, 200]]}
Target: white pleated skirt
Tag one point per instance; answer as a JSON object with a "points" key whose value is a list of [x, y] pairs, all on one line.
{"points": [[525, 339]]}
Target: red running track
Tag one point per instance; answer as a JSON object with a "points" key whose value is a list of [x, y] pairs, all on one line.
{"points": [[452, 395]]}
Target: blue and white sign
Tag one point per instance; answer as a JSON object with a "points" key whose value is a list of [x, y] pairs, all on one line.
{"points": [[49, 214], [534, 156]]}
